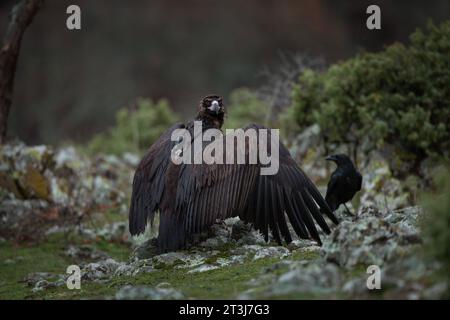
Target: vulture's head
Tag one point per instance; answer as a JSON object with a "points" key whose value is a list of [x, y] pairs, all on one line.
{"points": [[212, 108], [212, 105]]}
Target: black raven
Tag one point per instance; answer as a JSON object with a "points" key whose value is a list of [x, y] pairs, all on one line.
{"points": [[344, 183], [191, 197]]}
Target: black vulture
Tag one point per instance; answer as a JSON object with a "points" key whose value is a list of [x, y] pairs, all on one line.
{"points": [[191, 197]]}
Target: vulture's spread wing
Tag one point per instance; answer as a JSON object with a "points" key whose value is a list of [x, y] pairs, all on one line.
{"points": [[149, 182], [218, 191]]}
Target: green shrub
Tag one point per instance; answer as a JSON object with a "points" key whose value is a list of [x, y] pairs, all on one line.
{"points": [[400, 96], [243, 108], [436, 223], [135, 130]]}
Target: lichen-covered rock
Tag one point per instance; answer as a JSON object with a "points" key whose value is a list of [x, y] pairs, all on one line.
{"points": [[244, 234], [407, 277], [85, 253], [310, 138], [230, 231], [370, 239], [117, 231], [148, 293], [100, 270], [302, 277], [271, 252], [218, 235], [145, 250], [41, 285], [232, 260], [40, 281], [32, 278], [381, 189], [304, 245], [214, 242], [308, 149], [34, 184], [260, 252], [135, 267], [179, 260], [317, 278], [67, 182], [204, 268], [24, 219], [26, 166]]}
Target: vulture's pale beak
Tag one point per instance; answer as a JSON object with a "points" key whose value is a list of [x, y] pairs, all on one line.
{"points": [[331, 158], [214, 107]]}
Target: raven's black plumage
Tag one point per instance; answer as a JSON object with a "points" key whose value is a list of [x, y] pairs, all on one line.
{"points": [[191, 197], [344, 183]]}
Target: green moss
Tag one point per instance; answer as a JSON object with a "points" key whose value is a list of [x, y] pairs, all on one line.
{"points": [[117, 251], [305, 255], [224, 283], [17, 262]]}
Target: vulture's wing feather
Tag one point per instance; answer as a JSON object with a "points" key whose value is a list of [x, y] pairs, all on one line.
{"points": [[149, 182], [209, 192], [217, 191]]}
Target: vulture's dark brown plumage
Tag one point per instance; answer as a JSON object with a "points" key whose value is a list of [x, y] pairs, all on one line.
{"points": [[191, 197]]}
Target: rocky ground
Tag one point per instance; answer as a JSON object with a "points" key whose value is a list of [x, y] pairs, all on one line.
{"points": [[60, 208], [234, 260]]}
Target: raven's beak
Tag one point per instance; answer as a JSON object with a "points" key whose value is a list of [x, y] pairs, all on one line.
{"points": [[214, 107], [331, 158]]}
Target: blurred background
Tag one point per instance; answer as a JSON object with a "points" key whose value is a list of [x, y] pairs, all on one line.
{"points": [[69, 84]]}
